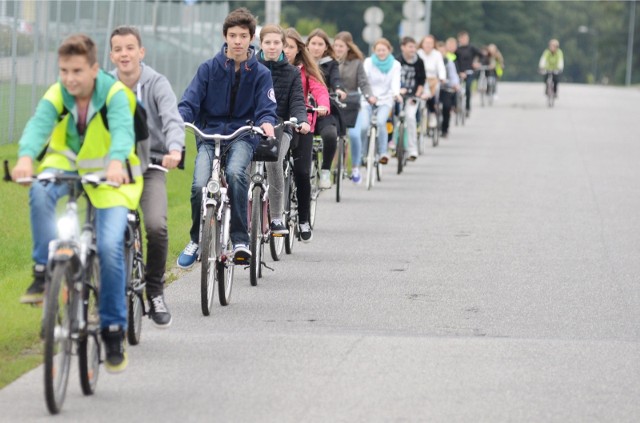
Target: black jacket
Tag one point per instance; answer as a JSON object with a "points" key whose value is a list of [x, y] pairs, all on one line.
{"points": [[287, 85], [465, 56], [331, 73]]}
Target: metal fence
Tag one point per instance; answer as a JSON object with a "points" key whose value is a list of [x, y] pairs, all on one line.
{"points": [[177, 37]]}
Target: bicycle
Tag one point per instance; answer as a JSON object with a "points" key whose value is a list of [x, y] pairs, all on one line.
{"points": [[373, 158], [401, 134], [215, 241], [70, 316], [422, 127], [549, 91], [486, 85], [258, 221], [434, 132], [461, 101], [290, 204], [340, 170]]}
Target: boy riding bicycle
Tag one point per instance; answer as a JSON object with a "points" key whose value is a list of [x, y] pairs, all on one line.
{"points": [[79, 142], [226, 91], [166, 140]]}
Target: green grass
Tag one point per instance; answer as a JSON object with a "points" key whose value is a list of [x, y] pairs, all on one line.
{"points": [[20, 347], [21, 108]]}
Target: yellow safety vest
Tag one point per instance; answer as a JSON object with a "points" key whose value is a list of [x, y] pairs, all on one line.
{"points": [[93, 156]]}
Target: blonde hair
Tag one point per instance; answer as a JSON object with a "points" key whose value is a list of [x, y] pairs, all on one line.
{"points": [[385, 43], [353, 52], [272, 29]]}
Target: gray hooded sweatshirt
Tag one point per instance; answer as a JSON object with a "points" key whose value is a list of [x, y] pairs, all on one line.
{"points": [[166, 128]]}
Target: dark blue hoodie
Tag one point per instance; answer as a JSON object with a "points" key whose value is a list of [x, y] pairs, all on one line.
{"points": [[207, 100]]}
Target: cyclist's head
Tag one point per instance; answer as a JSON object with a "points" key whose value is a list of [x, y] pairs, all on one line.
{"points": [[79, 45], [463, 38], [272, 41], [428, 43], [125, 30], [352, 50], [297, 54], [240, 17], [78, 65], [408, 47], [554, 44], [452, 44], [382, 48], [441, 47], [319, 44]]}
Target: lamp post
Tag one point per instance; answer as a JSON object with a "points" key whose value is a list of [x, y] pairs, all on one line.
{"points": [[583, 29]]}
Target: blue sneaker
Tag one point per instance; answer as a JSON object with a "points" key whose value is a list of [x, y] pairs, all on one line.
{"points": [[188, 256], [355, 175]]}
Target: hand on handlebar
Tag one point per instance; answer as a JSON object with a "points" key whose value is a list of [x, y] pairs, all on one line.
{"points": [[322, 111], [172, 160], [268, 129], [304, 128], [23, 169], [116, 174], [341, 94]]}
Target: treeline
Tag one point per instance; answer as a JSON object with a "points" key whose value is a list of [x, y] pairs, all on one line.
{"points": [[592, 34]]}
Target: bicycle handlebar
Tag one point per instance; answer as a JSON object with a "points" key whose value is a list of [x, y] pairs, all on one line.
{"points": [[219, 137], [60, 177]]}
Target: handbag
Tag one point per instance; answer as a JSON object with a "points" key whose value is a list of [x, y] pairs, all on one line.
{"points": [[268, 148], [350, 112]]}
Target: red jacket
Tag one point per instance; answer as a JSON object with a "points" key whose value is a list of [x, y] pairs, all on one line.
{"points": [[318, 91]]}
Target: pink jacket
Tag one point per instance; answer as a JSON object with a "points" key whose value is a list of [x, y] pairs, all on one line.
{"points": [[318, 91]]}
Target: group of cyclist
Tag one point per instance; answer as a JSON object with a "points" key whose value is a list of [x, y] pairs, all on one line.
{"points": [[287, 78]]}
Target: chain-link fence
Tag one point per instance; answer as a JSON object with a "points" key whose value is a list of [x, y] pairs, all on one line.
{"points": [[177, 37]]}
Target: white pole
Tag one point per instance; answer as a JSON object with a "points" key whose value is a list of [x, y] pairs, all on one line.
{"points": [[632, 23], [427, 17]]}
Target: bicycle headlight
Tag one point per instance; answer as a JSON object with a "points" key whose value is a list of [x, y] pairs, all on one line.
{"points": [[257, 178], [67, 228], [213, 187]]}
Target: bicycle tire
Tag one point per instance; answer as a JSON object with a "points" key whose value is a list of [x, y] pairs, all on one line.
{"points": [[371, 157], [422, 135], [224, 269], [550, 93], [208, 256], [89, 342], [291, 204], [276, 243], [315, 190], [135, 281], [436, 130], [255, 235], [57, 349], [400, 148], [340, 168]]}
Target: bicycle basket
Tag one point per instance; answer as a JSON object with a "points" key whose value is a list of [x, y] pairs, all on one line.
{"points": [[268, 148]]}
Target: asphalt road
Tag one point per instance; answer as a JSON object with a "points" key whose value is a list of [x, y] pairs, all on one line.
{"points": [[495, 280]]}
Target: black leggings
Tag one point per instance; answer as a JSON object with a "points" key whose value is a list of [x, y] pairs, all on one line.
{"points": [[301, 151], [447, 99], [327, 129]]}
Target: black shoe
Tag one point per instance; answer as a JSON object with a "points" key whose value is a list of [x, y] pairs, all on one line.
{"points": [[158, 312], [35, 292], [113, 338], [277, 228], [444, 135], [467, 113], [305, 232]]}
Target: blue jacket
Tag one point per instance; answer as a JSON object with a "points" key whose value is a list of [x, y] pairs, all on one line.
{"points": [[207, 100]]}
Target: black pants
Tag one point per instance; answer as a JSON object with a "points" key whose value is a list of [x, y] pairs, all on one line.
{"points": [[467, 85], [301, 151], [448, 100], [328, 130], [556, 79]]}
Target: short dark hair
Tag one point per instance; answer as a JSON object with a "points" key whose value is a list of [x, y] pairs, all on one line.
{"points": [[79, 45], [240, 17], [126, 30], [407, 40]]}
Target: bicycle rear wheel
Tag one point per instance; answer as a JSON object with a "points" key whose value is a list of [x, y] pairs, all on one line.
{"points": [[315, 190], [371, 158], [89, 343], [208, 255], [135, 285], [57, 336], [256, 235], [291, 208], [340, 168], [224, 269], [400, 147]]}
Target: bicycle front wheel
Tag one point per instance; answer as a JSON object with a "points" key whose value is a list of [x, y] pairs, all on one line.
{"points": [[57, 336], [340, 168], [208, 255], [89, 343], [371, 157], [256, 235], [315, 191], [135, 286], [224, 269], [291, 212]]}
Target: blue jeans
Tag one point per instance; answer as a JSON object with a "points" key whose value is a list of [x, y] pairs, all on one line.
{"points": [[383, 138], [237, 160], [110, 226], [356, 134]]}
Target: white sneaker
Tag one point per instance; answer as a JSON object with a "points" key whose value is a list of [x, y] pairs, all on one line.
{"points": [[325, 179], [355, 176], [433, 121]]}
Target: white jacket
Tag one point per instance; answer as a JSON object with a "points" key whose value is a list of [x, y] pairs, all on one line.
{"points": [[433, 64], [385, 86]]}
